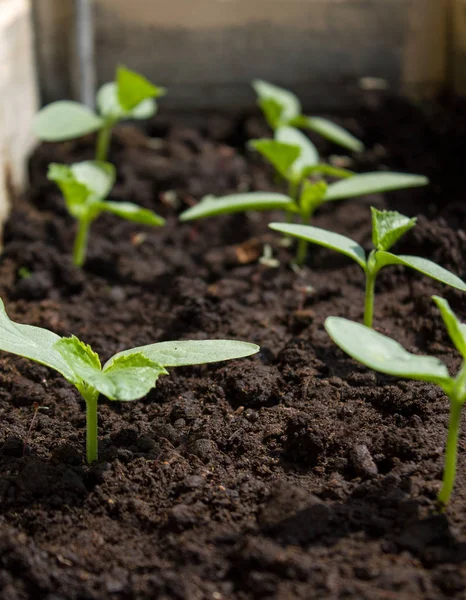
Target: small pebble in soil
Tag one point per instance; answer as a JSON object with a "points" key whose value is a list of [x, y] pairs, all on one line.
{"points": [[362, 461]]}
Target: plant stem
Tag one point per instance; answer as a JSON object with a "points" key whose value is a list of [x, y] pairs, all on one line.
{"points": [[91, 426], [369, 299], [103, 142], [80, 242], [301, 251], [449, 471]]}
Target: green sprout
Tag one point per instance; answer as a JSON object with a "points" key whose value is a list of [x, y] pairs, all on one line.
{"points": [[85, 187], [128, 375], [282, 107], [387, 228], [305, 196], [130, 96], [384, 354]]}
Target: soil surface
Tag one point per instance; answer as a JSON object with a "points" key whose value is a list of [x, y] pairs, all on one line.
{"points": [[293, 474]]}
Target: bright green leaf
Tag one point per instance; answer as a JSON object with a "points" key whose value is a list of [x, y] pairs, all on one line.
{"points": [[281, 155], [312, 196], [388, 226], [328, 170], [80, 357], [287, 100], [191, 352], [65, 120], [308, 156], [383, 354], [373, 183], [75, 194], [111, 109], [132, 212], [334, 133], [132, 376], [32, 342], [327, 239], [98, 176], [212, 206], [456, 329], [133, 88], [423, 265], [272, 111]]}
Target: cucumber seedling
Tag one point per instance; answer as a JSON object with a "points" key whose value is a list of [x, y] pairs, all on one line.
{"points": [[387, 228], [85, 187], [130, 96], [305, 196], [384, 354], [128, 375], [282, 107]]}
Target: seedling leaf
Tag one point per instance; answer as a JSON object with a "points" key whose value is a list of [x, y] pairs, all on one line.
{"points": [[65, 120], [373, 183], [190, 352], [383, 354], [272, 111], [388, 226], [98, 176], [312, 196], [110, 108], [133, 88], [332, 132], [291, 106], [456, 329], [132, 212], [210, 205], [328, 239], [423, 265], [132, 377], [308, 156], [128, 378], [280, 154], [32, 342]]}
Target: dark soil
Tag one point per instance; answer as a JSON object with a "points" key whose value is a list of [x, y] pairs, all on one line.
{"points": [[295, 474]]}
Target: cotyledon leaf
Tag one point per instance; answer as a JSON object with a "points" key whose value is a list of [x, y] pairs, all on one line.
{"points": [[190, 352], [211, 206], [333, 132], [308, 157], [291, 106], [456, 329], [325, 238], [33, 342], [111, 109], [65, 120], [372, 183], [423, 265], [384, 354]]}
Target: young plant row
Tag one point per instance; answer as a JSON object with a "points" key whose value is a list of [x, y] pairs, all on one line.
{"points": [[310, 182]]}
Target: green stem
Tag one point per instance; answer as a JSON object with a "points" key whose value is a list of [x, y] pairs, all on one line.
{"points": [[449, 471], [80, 242], [303, 245], [369, 299], [103, 142], [91, 427]]}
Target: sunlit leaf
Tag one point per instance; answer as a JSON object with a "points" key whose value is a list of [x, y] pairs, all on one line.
{"points": [[388, 226], [334, 133], [291, 106], [280, 154], [308, 156], [456, 329], [212, 206], [32, 342], [191, 352], [327, 239], [373, 183], [132, 212], [423, 265], [133, 88], [65, 120], [383, 354]]}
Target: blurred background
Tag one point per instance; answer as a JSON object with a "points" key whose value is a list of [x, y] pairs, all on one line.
{"points": [[206, 52]]}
